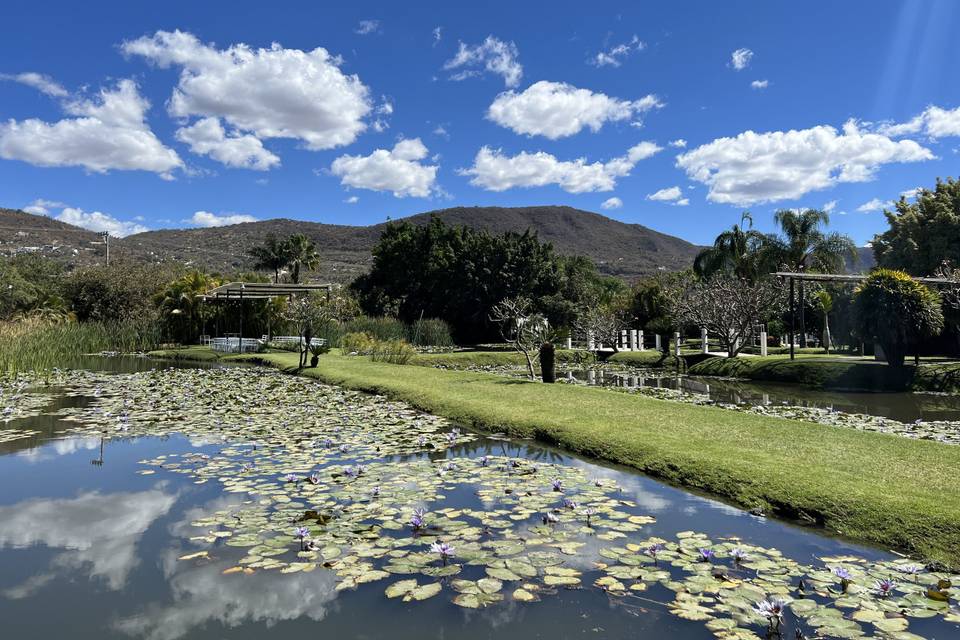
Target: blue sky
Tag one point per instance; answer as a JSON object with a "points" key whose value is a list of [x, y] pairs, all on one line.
{"points": [[673, 115]]}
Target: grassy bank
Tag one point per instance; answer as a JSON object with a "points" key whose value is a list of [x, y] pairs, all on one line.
{"points": [[872, 487]]}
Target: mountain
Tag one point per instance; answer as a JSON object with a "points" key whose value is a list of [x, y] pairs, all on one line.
{"points": [[24, 232], [626, 250]]}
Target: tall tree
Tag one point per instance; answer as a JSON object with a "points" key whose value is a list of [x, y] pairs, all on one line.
{"points": [[740, 251], [923, 233], [301, 256], [272, 255]]}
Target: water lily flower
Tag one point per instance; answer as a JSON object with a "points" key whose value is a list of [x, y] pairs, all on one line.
{"points": [[772, 609], [291, 477], [327, 442], [445, 550], [550, 518], [350, 472], [360, 469], [706, 555], [910, 569], [417, 519], [315, 477], [343, 448], [598, 482], [569, 504], [484, 461], [375, 492], [654, 549], [845, 577], [422, 440], [590, 512], [301, 532], [738, 555], [557, 484], [452, 437], [884, 588]]}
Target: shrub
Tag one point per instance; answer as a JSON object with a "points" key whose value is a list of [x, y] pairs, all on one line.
{"points": [[392, 351], [430, 332], [381, 328], [357, 342], [896, 311]]}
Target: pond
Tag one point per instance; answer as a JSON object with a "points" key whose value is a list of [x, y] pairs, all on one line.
{"points": [[242, 503], [902, 407]]}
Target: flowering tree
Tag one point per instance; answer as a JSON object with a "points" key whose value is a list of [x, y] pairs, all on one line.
{"points": [[519, 325], [724, 305], [312, 312], [603, 322]]}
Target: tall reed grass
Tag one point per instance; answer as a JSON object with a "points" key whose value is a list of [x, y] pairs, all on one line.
{"points": [[39, 347]]}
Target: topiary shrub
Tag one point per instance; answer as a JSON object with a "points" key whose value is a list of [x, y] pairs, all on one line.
{"points": [[897, 312]]}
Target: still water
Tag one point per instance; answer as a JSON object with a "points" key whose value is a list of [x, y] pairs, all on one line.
{"points": [[92, 546], [903, 407]]}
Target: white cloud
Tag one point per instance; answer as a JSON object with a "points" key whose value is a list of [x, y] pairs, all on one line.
{"points": [[741, 58], [493, 54], [42, 207], [207, 219], [99, 221], [352, 200], [367, 27], [934, 122], [207, 137], [556, 109], [760, 84], [682, 202], [398, 170], [106, 133], [441, 131], [679, 143], [875, 205], [494, 171], [437, 35], [911, 193], [830, 206], [670, 193], [612, 203], [765, 167], [40, 82], [615, 55], [271, 93]]}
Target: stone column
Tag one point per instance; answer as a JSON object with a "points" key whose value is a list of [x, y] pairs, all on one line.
{"points": [[763, 343], [676, 343], [704, 345], [657, 343], [569, 343], [640, 340], [623, 339]]}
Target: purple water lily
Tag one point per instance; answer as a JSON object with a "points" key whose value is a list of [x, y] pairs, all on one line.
{"points": [[417, 519], [738, 555], [550, 518], [343, 448], [589, 512], [569, 504], [557, 484], [707, 555], [301, 533], [910, 569], [444, 549], [291, 477], [422, 440], [375, 492], [884, 588], [350, 472], [484, 461], [845, 577], [654, 549], [327, 443], [772, 609]]}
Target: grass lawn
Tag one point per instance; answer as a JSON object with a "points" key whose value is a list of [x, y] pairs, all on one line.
{"points": [[877, 488]]}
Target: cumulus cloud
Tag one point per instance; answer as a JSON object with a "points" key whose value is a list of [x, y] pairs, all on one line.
{"points": [[673, 195], [42, 207], [40, 82], [740, 59], [207, 219], [612, 203], [875, 205], [679, 143], [366, 27], [398, 170], [437, 35], [99, 222], [911, 193], [271, 93], [108, 132], [933, 122], [352, 200], [494, 171], [207, 137], [830, 206], [615, 55], [760, 84], [557, 110], [765, 167], [492, 55]]}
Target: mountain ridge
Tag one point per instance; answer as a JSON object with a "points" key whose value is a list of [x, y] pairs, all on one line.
{"points": [[628, 250]]}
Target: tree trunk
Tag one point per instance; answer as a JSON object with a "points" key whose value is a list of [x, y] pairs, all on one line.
{"points": [[827, 342], [803, 322]]}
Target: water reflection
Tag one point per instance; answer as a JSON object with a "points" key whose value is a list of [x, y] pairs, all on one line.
{"points": [[99, 532]]}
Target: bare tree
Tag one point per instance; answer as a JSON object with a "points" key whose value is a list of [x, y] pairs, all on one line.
{"points": [[951, 291], [311, 313], [725, 306], [603, 323], [523, 328]]}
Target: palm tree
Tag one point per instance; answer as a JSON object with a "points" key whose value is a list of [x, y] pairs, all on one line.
{"points": [[301, 254], [273, 255], [825, 303], [182, 298], [741, 250], [805, 246]]}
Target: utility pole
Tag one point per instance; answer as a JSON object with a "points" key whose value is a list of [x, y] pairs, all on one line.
{"points": [[106, 243]]}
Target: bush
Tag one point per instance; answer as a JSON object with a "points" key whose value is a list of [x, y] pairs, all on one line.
{"points": [[380, 328], [430, 332], [896, 311], [357, 342], [392, 351]]}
